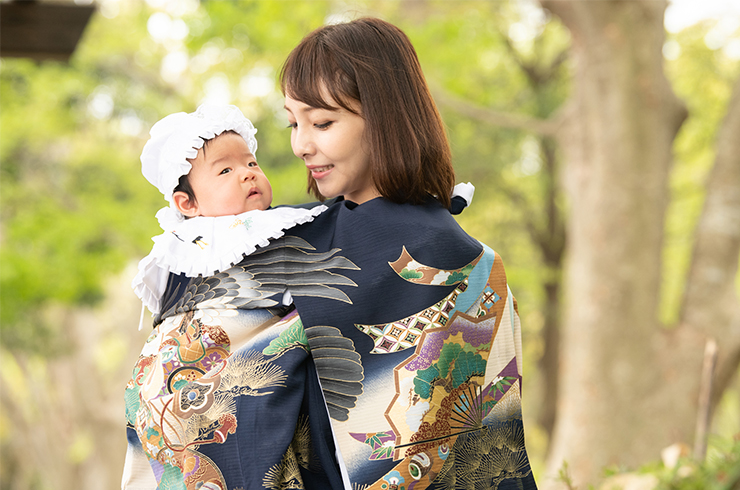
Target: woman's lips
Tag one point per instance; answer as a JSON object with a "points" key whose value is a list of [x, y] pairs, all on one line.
{"points": [[320, 172]]}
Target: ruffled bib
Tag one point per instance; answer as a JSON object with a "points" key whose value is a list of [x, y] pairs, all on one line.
{"points": [[207, 245]]}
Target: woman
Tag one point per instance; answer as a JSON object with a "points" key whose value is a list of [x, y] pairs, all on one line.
{"points": [[421, 366], [400, 367]]}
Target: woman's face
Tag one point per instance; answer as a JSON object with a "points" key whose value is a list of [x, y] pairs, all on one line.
{"points": [[332, 144]]}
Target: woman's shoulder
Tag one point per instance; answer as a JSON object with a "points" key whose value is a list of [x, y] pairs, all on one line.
{"points": [[429, 215], [309, 205], [380, 229]]}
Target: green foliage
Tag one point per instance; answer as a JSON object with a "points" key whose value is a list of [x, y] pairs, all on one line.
{"points": [[719, 471], [133, 402], [72, 192], [172, 478], [702, 78], [449, 353], [564, 477], [503, 385], [409, 274], [455, 278], [75, 207], [376, 442], [293, 336], [424, 381], [467, 365], [505, 165]]}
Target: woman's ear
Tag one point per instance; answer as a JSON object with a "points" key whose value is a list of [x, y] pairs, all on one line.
{"points": [[188, 207]]}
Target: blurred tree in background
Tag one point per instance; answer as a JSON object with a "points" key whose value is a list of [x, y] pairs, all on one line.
{"points": [[74, 204], [76, 211], [618, 138]]}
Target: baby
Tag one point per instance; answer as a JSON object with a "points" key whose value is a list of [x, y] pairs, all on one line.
{"points": [[219, 212]]}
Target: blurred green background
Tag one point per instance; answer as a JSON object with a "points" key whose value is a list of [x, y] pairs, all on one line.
{"points": [[77, 213]]}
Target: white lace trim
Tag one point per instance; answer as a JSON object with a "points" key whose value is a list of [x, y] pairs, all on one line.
{"points": [[207, 245]]}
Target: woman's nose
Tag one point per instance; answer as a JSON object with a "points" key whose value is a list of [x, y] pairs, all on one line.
{"points": [[302, 144]]}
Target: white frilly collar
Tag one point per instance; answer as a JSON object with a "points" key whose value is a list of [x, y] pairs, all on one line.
{"points": [[206, 245]]}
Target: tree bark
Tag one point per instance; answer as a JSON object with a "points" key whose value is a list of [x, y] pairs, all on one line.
{"points": [[710, 302], [552, 248], [628, 387], [617, 139]]}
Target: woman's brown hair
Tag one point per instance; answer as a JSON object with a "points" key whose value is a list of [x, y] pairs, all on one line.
{"points": [[373, 62]]}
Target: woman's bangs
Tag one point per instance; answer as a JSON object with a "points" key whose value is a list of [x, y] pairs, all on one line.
{"points": [[313, 77], [301, 77]]}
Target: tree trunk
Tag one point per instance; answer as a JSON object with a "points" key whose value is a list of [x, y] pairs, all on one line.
{"points": [[552, 247], [628, 387], [618, 144], [65, 416], [710, 301]]}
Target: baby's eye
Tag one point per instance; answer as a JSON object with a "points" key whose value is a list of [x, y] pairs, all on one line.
{"points": [[252, 164], [225, 171], [323, 125]]}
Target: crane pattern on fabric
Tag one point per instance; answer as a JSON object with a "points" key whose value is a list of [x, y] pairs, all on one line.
{"points": [[451, 418], [218, 344]]}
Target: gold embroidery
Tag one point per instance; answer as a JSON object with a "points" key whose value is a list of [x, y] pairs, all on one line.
{"points": [[287, 474]]}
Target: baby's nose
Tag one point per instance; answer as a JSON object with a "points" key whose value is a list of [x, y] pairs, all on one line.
{"points": [[248, 173]]}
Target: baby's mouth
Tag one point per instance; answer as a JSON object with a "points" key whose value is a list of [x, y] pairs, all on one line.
{"points": [[253, 192]]}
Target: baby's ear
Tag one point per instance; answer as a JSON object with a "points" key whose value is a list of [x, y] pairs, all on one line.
{"points": [[188, 207]]}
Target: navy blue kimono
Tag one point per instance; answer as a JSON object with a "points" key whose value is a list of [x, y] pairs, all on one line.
{"points": [[400, 367]]}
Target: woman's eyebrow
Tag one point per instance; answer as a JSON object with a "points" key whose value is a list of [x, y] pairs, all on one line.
{"points": [[304, 109]]}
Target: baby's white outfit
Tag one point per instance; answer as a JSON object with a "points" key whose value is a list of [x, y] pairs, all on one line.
{"points": [[207, 245]]}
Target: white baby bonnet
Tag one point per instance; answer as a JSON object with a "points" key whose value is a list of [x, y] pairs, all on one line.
{"points": [[202, 245], [177, 137]]}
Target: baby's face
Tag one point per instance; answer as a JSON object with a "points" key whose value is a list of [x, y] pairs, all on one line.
{"points": [[226, 178]]}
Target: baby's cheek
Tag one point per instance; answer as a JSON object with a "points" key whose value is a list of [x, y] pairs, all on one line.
{"points": [[268, 195]]}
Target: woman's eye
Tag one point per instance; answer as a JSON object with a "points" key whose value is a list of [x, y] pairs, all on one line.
{"points": [[225, 171], [292, 125], [323, 125]]}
